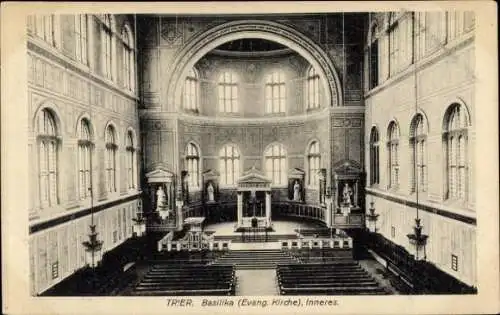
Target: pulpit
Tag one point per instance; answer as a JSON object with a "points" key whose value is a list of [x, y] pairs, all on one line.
{"points": [[253, 196]]}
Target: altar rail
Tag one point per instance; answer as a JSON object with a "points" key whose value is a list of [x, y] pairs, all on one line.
{"points": [[336, 242], [319, 213], [282, 208]]}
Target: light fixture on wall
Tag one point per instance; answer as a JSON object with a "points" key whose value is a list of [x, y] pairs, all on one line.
{"points": [[139, 225], [372, 218], [417, 239], [139, 221], [93, 246]]}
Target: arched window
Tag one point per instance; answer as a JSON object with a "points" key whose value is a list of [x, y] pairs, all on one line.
{"points": [[456, 144], [131, 161], [393, 150], [418, 142], [312, 89], [275, 159], [229, 164], [106, 47], [191, 91], [313, 163], [374, 157], [85, 146], [81, 30], [193, 165], [275, 92], [228, 93], [111, 148], [47, 158], [128, 59]]}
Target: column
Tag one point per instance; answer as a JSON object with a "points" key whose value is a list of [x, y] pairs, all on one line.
{"points": [[169, 195], [239, 209], [329, 209], [268, 208]]}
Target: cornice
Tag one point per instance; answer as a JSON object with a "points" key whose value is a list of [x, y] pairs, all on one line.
{"points": [[251, 54], [468, 217], [79, 69], [238, 121]]}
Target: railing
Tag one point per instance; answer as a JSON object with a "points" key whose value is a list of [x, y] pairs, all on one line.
{"points": [[352, 220], [286, 209], [293, 209]]}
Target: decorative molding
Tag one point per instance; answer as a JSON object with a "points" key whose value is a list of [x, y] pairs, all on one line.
{"points": [[425, 207], [201, 44], [78, 69], [171, 33], [79, 214]]}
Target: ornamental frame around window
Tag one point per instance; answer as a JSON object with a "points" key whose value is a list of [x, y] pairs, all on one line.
{"points": [[276, 168], [81, 38], [275, 93], [85, 155], [393, 155], [191, 91], [193, 159], [454, 176], [48, 145], [312, 89], [373, 57], [131, 161], [313, 164], [232, 158], [106, 31], [228, 94], [374, 156], [458, 172], [418, 145], [43, 27], [111, 160], [128, 60]]}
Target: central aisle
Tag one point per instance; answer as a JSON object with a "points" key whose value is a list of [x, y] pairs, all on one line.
{"points": [[256, 282]]}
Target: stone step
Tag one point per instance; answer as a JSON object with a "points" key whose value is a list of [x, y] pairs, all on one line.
{"points": [[255, 259]]}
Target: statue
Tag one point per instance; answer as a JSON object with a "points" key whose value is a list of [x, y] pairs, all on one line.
{"points": [[161, 199], [296, 191], [346, 195], [210, 192]]}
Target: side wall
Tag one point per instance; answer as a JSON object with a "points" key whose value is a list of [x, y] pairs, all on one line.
{"points": [[440, 79], [71, 90]]}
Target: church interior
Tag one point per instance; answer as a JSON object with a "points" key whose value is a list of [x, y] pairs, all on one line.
{"points": [[292, 154]]}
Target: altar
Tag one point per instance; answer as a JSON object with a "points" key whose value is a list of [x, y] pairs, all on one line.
{"points": [[253, 200]]}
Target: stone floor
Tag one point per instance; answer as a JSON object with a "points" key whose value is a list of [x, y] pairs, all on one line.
{"points": [[256, 282]]}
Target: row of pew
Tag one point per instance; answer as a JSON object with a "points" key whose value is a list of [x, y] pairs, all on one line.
{"points": [[186, 280], [339, 278]]}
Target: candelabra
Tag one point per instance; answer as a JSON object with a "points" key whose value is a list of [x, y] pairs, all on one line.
{"points": [[372, 218], [418, 240]]}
